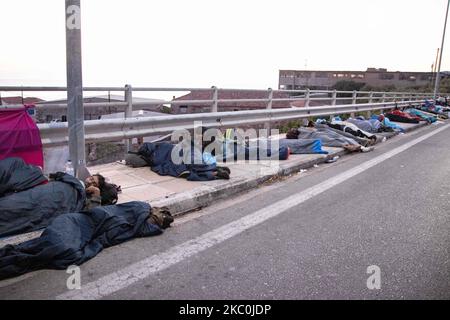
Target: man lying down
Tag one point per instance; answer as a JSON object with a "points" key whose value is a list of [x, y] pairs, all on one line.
{"points": [[74, 238], [30, 201], [328, 137]]}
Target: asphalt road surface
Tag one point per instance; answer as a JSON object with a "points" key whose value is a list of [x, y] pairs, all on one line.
{"points": [[311, 236]]}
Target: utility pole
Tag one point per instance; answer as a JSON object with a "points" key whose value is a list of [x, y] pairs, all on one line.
{"points": [[434, 67], [75, 111], [438, 75]]}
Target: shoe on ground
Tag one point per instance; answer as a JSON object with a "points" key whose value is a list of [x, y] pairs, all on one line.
{"points": [[184, 174], [367, 149], [161, 217]]}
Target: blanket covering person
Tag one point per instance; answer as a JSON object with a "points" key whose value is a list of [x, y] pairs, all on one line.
{"points": [[400, 116], [233, 151], [74, 238], [27, 205], [387, 123], [303, 146], [159, 157], [16, 176], [328, 138], [422, 115]]}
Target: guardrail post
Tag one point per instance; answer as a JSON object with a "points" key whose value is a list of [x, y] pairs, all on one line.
{"points": [[267, 125], [129, 111], [354, 96], [333, 101], [214, 106], [369, 114], [307, 102], [307, 97], [383, 98]]}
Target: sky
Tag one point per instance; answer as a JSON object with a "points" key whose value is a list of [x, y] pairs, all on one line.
{"points": [[229, 44]]}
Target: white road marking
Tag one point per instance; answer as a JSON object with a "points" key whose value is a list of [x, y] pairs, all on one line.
{"points": [[123, 278]]}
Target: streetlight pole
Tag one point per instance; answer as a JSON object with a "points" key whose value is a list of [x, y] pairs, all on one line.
{"points": [[438, 75], [75, 111]]}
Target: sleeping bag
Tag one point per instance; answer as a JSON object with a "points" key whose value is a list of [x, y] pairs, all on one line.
{"points": [[74, 238], [159, 157], [26, 206], [16, 176]]}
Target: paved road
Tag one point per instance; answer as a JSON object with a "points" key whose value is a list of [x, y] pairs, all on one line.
{"points": [[311, 236]]}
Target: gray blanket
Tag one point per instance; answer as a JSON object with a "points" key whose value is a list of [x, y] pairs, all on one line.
{"points": [[328, 137]]}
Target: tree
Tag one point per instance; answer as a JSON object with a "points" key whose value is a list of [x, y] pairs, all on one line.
{"points": [[348, 85]]}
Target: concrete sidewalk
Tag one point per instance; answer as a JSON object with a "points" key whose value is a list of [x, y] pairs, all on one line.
{"points": [[182, 196]]}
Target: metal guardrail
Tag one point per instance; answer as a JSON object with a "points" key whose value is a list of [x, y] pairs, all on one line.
{"points": [[122, 129], [215, 101], [128, 128]]}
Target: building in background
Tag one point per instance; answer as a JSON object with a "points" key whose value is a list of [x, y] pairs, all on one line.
{"points": [[228, 106], [375, 77], [48, 114], [18, 100]]}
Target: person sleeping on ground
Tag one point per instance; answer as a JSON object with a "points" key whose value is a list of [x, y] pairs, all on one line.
{"points": [[159, 157], [29, 200], [74, 238], [351, 128], [371, 125], [233, 147], [328, 138]]}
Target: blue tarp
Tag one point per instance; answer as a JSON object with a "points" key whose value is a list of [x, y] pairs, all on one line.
{"points": [[303, 146], [422, 115], [388, 123]]}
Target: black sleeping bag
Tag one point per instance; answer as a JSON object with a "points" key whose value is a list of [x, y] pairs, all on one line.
{"points": [[16, 176], [74, 238], [35, 208]]}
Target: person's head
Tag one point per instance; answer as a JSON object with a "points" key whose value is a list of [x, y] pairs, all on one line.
{"points": [[97, 180], [108, 192], [311, 124], [292, 134]]}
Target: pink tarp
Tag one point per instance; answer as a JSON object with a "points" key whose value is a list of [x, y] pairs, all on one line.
{"points": [[20, 137]]}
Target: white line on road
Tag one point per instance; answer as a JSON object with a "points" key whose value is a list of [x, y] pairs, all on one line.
{"points": [[123, 278]]}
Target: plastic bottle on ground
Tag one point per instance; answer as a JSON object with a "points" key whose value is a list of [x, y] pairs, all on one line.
{"points": [[69, 169]]}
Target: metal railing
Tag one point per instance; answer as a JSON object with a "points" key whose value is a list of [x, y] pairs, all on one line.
{"points": [[124, 129]]}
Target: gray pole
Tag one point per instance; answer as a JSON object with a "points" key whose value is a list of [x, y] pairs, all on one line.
{"points": [[75, 111], [438, 75]]}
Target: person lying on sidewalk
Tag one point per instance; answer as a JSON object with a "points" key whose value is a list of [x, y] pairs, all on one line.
{"points": [[371, 125], [99, 192], [74, 238], [29, 201], [233, 147], [159, 157], [329, 138]]}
